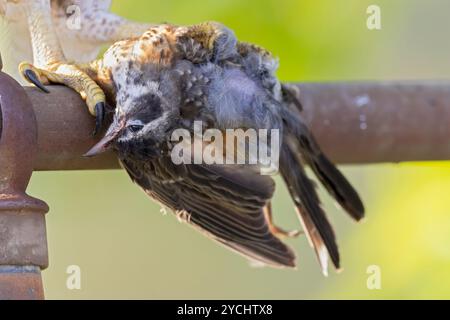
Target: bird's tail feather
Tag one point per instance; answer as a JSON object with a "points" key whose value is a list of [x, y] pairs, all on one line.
{"points": [[300, 147], [314, 221], [336, 184], [331, 178]]}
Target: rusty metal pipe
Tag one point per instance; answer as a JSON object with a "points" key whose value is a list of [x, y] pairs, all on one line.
{"points": [[65, 131], [20, 283], [364, 122], [23, 242], [368, 122]]}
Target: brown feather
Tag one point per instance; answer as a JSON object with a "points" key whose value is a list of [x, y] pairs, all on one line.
{"points": [[225, 203]]}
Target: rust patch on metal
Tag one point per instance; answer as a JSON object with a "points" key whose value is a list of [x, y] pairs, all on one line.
{"points": [[22, 218], [359, 122], [20, 283]]}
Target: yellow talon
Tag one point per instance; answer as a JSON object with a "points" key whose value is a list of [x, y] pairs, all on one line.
{"points": [[33, 75], [53, 67], [69, 75], [73, 77], [94, 96]]}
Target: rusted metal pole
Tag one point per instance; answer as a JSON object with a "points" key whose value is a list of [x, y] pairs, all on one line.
{"points": [[65, 131], [354, 123], [23, 243], [374, 122]]}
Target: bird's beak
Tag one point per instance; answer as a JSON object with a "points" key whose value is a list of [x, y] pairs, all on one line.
{"points": [[106, 142]]}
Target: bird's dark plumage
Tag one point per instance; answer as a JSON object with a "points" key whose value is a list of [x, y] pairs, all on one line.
{"points": [[173, 76], [223, 202]]}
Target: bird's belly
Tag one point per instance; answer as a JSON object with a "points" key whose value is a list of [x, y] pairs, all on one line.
{"points": [[237, 100]]}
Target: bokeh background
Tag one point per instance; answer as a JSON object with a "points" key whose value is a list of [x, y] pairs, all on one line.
{"points": [[127, 248]]}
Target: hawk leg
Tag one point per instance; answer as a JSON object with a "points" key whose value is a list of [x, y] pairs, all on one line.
{"points": [[50, 65], [73, 77]]}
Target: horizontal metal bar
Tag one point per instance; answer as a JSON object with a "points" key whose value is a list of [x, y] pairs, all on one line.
{"points": [[65, 131], [361, 122], [368, 122]]}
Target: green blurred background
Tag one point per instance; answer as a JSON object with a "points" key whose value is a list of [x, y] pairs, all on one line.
{"points": [[127, 248]]}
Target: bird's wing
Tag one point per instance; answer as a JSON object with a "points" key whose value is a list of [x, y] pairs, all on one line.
{"points": [[224, 202]]}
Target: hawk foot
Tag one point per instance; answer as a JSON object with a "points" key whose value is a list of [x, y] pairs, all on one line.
{"points": [[72, 77]]}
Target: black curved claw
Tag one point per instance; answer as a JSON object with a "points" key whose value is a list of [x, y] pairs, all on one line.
{"points": [[33, 78], [99, 117]]}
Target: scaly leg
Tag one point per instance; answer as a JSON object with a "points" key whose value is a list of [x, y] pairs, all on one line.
{"points": [[50, 65], [106, 27], [89, 26]]}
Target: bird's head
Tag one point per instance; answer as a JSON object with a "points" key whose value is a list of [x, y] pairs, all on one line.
{"points": [[146, 112]]}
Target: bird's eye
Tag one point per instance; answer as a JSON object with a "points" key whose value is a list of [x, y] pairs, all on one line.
{"points": [[135, 126]]}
